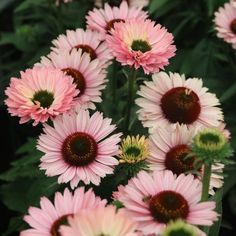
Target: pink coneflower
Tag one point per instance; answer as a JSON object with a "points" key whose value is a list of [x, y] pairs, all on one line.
{"points": [[155, 200], [87, 75], [131, 3], [40, 94], [100, 221], [225, 20], [47, 219], [88, 41], [169, 148], [78, 148], [141, 43], [170, 99], [103, 20]]}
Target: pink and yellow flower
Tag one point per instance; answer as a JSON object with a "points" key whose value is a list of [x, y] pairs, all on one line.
{"points": [[141, 43], [40, 94], [88, 76], [47, 219], [78, 148], [155, 200]]}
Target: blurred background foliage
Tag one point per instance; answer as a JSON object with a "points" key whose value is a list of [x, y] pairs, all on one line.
{"points": [[27, 28]]}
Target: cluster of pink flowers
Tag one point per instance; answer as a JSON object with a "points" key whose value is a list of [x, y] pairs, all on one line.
{"points": [[82, 148]]}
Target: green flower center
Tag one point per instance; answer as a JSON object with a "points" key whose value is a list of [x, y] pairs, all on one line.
{"points": [[181, 232], [44, 97], [133, 151], [79, 79], [209, 138], [181, 105], [177, 161], [79, 149], [233, 26], [110, 24], [168, 205], [140, 45], [87, 49], [56, 225]]}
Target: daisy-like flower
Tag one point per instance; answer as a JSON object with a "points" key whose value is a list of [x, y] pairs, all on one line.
{"points": [[47, 219], [225, 20], [89, 41], [78, 148], [141, 43], [170, 99], [131, 3], [87, 75], [100, 221], [103, 20], [155, 200], [40, 94], [169, 150]]}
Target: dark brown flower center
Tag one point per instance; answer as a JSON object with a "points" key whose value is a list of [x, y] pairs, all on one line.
{"points": [[44, 97], [78, 79], [56, 225], [87, 49], [140, 45], [168, 205], [110, 24], [181, 105], [79, 149], [233, 26], [177, 161]]}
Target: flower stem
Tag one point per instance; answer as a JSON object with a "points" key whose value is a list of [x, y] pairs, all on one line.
{"points": [[206, 182], [131, 82]]}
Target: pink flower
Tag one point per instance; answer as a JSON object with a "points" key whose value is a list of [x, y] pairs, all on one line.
{"points": [[171, 99], [100, 221], [154, 200], [103, 20], [141, 43], [225, 20], [169, 148], [87, 75], [40, 94], [47, 219], [88, 41], [78, 148]]}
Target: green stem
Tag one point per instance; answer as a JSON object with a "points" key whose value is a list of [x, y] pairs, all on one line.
{"points": [[206, 182], [131, 82]]}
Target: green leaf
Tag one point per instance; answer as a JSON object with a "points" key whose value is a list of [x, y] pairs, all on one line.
{"points": [[155, 4]]}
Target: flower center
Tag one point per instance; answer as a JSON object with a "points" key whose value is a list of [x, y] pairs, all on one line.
{"points": [[87, 49], [78, 79], [79, 149], [44, 97], [181, 232], [56, 225], [233, 26], [181, 105], [209, 138], [141, 45], [168, 205], [177, 161], [134, 151], [110, 24]]}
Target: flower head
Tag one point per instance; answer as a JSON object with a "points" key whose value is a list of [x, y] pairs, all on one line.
{"points": [[78, 148], [88, 41], [88, 76], [100, 221], [180, 228], [170, 149], [211, 145], [47, 219], [141, 43], [155, 200], [172, 99], [225, 20], [40, 94], [103, 20]]}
